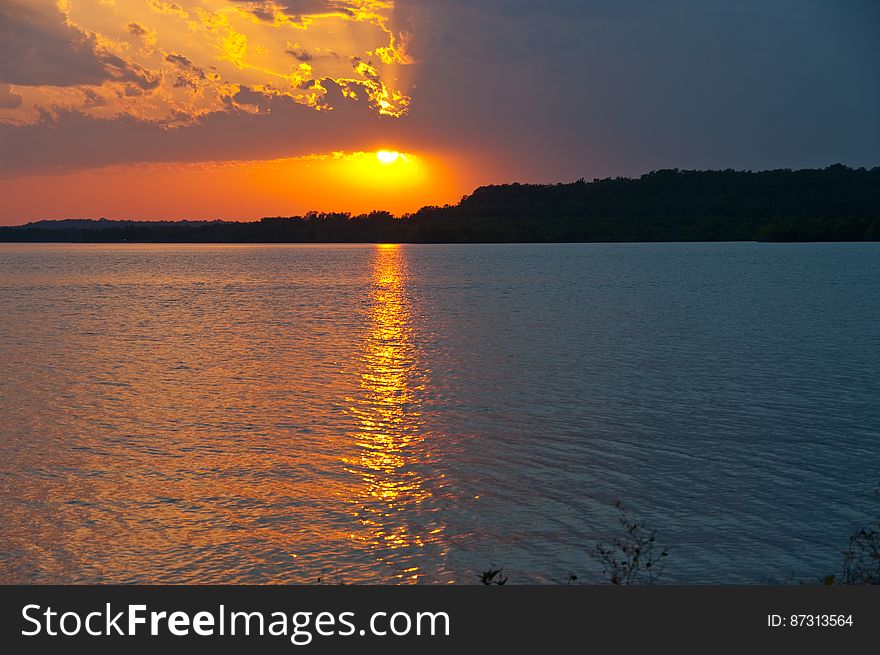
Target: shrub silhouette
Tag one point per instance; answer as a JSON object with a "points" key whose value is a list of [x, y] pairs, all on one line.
{"points": [[861, 558], [634, 557], [493, 577]]}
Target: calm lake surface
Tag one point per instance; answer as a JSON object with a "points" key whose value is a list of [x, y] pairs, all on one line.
{"points": [[251, 414]]}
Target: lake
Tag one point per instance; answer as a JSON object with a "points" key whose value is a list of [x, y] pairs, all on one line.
{"points": [[396, 414]]}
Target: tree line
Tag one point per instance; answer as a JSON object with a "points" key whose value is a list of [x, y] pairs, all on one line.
{"points": [[836, 203]]}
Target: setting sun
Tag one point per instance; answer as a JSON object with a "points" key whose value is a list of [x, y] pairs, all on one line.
{"points": [[388, 156], [402, 182]]}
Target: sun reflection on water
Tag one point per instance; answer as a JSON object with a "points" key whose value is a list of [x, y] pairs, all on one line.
{"points": [[389, 430]]}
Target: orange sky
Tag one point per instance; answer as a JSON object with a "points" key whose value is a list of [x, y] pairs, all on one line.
{"points": [[167, 109], [172, 64], [235, 190]]}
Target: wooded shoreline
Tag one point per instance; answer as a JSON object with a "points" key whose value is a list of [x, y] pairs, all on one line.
{"points": [[836, 203]]}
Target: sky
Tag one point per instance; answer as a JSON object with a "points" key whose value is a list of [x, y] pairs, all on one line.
{"points": [[238, 109]]}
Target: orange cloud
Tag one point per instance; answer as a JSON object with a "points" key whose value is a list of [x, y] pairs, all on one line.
{"points": [[174, 62]]}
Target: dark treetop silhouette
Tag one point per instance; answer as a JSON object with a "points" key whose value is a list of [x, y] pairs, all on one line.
{"points": [[836, 203]]}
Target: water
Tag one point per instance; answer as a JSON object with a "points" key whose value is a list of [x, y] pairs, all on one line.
{"points": [[251, 414]]}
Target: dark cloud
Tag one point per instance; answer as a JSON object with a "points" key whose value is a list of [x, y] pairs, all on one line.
{"points": [[569, 9], [563, 89], [37, 47], [300, 53], [190, 75], [8, 98], [247, 96], [93, 99], [541, 91], [137, 29], [119, 70], [185, 63], [71, 140], [307, 7], [180, 60], [265, 10]]}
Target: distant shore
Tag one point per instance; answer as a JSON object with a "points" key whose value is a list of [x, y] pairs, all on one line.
{"points": [[836, 203]]}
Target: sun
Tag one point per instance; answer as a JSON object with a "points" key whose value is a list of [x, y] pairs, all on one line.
{"points": [[388, 156]]}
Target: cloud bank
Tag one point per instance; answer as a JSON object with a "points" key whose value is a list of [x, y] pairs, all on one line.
{"points": [[175, 62]]}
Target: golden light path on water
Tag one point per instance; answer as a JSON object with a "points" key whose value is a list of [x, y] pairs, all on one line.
{"points": [[253, 414], [213, 432], [390, 430]]}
